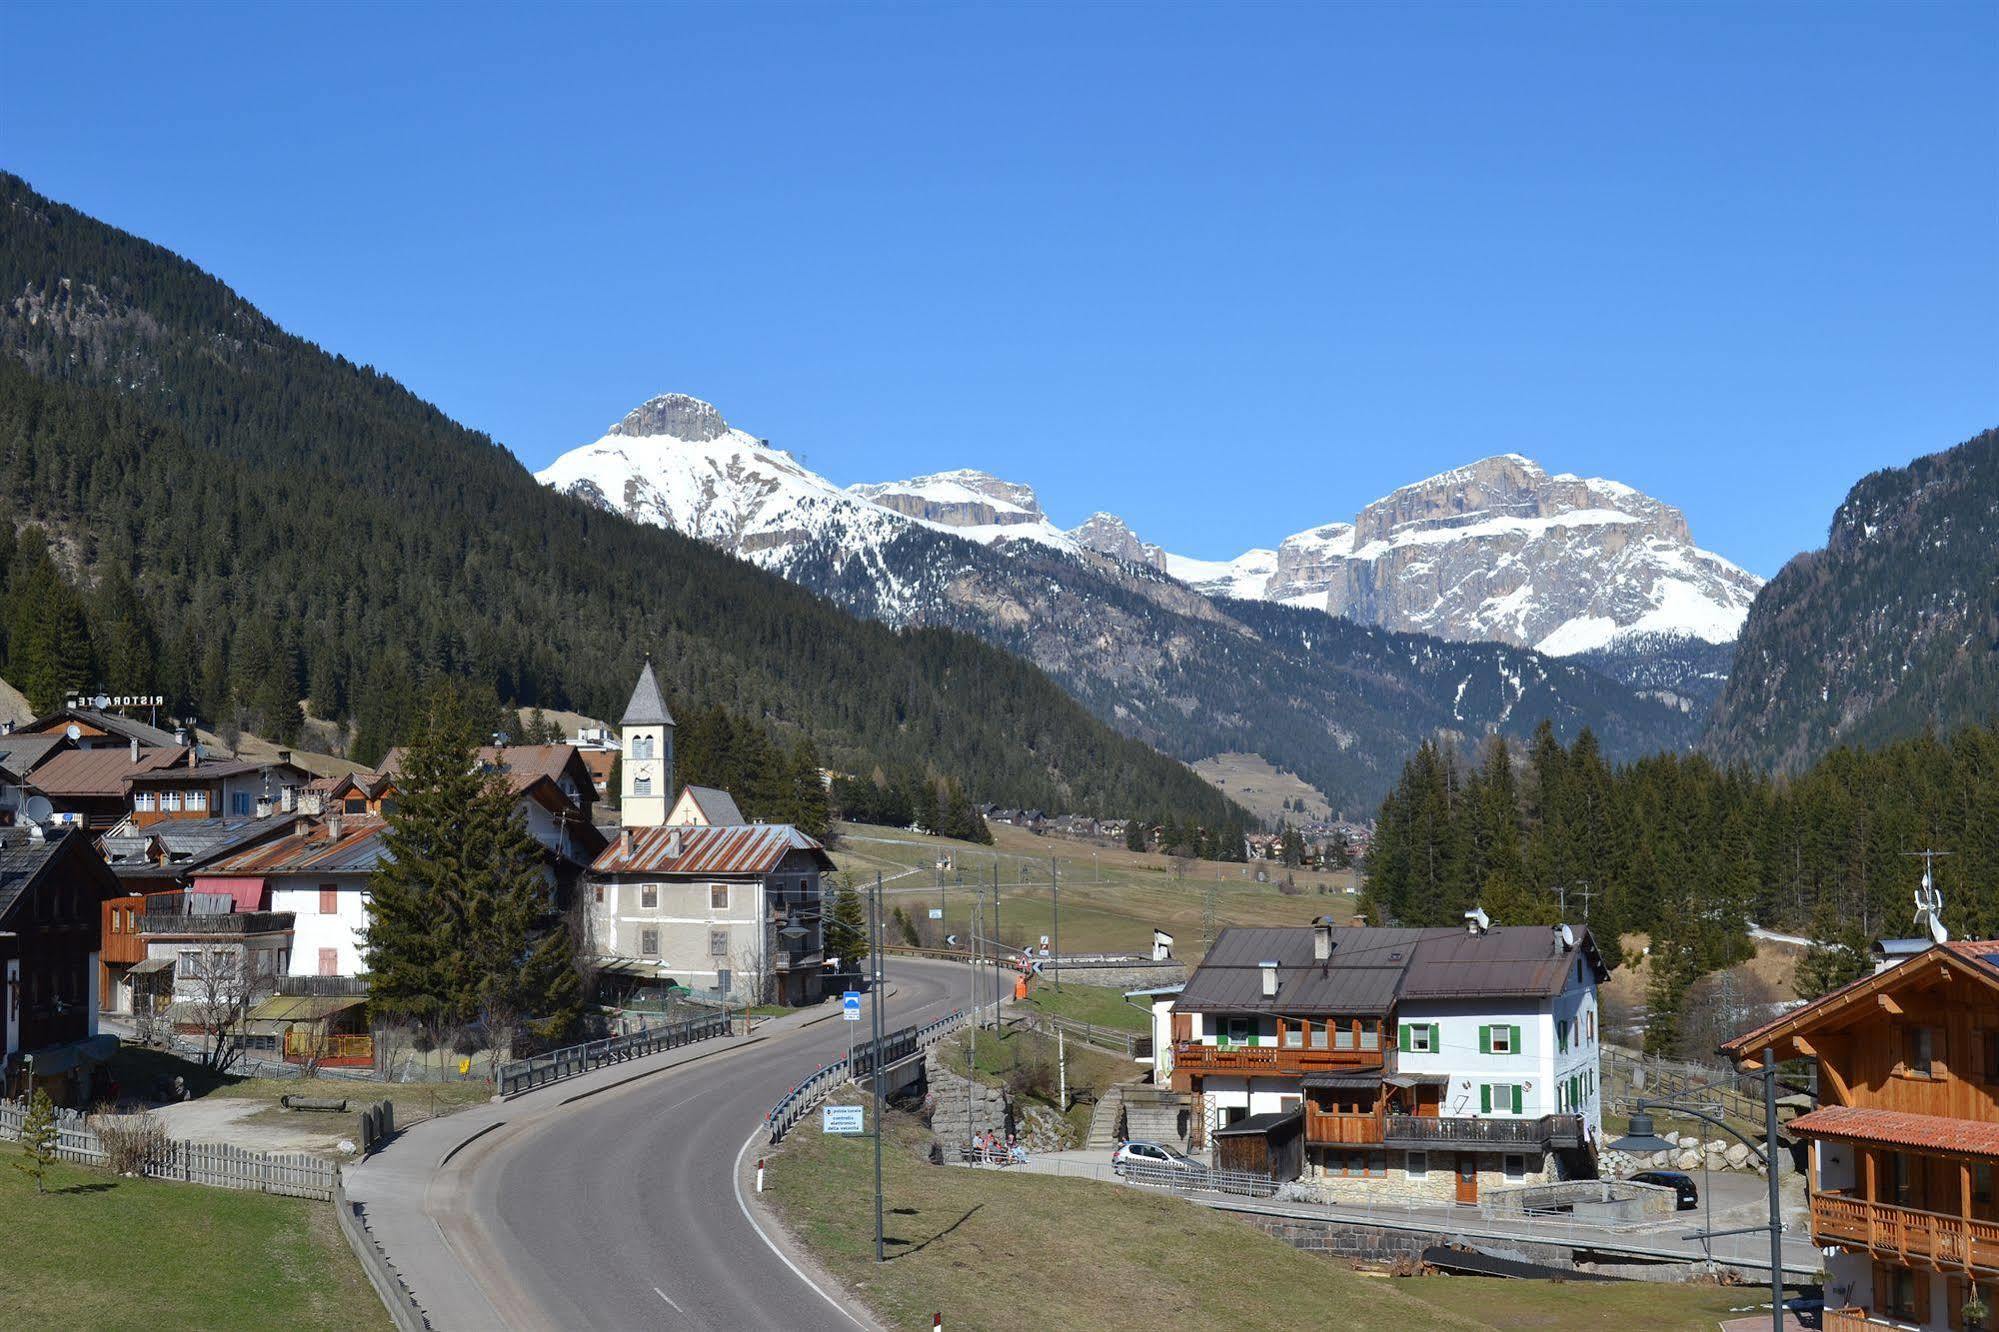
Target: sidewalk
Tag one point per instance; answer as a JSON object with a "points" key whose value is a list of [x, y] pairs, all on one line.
{"points": [[412, 1192]]}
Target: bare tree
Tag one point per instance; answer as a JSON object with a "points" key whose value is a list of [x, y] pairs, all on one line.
{"points": [[223, 983], [755, 967]]}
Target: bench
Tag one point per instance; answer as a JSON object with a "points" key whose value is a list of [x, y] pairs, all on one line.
{"points": [[290, 1102]]}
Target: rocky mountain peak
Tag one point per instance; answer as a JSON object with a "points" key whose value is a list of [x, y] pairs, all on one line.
{"points": [[1506, 486], [963, 498], [1108, 534], [676, 415]]}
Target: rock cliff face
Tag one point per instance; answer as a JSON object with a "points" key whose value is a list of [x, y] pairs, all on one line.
{"points": [[1502, 551], [673, 414], [964, 498], [1108, 534]]}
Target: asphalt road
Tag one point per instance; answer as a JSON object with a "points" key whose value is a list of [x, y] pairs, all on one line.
{"points": [[622, 1211]]}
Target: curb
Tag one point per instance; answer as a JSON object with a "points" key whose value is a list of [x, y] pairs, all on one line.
{"points": [[445, 1159]]}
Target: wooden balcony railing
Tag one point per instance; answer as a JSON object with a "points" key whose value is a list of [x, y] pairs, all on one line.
{"points": [[1934, 1239], [1198, 1057], [1848, 1319], [1324, 1127], [1543, 1132]]}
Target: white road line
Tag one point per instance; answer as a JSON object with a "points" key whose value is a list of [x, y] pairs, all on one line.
{"points": [[669, 1299], [771, 1244]]}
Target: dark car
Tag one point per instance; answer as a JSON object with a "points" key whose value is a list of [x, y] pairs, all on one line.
{"points": [[1680, 1183]]}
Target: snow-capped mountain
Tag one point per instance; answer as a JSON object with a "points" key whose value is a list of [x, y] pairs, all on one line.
{"points": [[1502, 551], [1151, 643]]}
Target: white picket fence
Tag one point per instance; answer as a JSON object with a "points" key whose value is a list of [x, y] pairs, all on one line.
{"points": [[292, 1174]]}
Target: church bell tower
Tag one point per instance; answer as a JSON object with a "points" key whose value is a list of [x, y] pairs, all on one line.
{"points": [[645, 791]]}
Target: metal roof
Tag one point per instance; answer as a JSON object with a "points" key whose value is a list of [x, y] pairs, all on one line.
{"points": [[313, 850], [100, 772], [24, 858], [754, 848], [647, 707], [1372, 968], [215, 770], [110, 723], [304, 1007], [20, 753]]}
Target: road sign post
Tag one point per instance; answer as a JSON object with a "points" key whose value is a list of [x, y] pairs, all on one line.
{"points": [[843, 1119], [850, 1011]]}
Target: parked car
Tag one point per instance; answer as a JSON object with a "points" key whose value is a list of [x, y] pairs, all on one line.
{"points": [[1151, 1154], [1681, 1183]]}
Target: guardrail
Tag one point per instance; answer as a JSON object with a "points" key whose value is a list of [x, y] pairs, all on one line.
{"points": [[540, 1070], [1198, 1179], [897, 1045]]}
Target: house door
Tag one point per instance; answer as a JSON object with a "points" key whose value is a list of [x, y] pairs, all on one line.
{"points": [[1468, 1178]]}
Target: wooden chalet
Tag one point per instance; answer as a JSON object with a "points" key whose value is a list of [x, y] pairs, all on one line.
{"points": [[1905, 1140]]}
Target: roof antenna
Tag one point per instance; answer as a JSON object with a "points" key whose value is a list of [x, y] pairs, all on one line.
{"points": [[1929, 898]]}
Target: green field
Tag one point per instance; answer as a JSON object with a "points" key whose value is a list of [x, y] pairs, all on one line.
{"points": [[1112, 899], [1026, 1061], [99, 1251], [990, 1249], [1094, 1004]]}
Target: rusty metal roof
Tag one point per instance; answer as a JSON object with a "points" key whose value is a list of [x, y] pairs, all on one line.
{"points": [[754, 848], [1528, 961], [313, 850], [102, 772]]}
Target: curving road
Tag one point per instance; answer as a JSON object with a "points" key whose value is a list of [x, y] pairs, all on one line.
{"points": [[622, 1210]]}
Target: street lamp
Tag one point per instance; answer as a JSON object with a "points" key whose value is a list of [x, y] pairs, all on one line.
{"points": [[1641, 1138]]}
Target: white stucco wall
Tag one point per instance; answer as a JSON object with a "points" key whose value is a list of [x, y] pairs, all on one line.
{"points": [[313, 929]]}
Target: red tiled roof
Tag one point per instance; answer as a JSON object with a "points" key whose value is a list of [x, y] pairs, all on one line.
{"points": [[1971, 1137], [744, 849]]}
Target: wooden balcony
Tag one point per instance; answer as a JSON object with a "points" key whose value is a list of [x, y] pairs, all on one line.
{"points": [[1496, 1134], [1906, 1235], [1848, 1319], [1325, 1128], [1199, 1059]]}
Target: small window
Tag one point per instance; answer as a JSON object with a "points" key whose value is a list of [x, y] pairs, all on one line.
{"points": [[1416, 1165], [143, 801], [170, 801], [1919, 1050], [1343, 1037], [649, 896], [1370, 1038], [642, 786], [1592, 1024], [1238, 1030], [718, 896], [718, 943], [597, 893], [1318, 1035], [1516, 1167], [1420, 1037], [354, 805], [329, 962], [117, 926], [648, 943], [1499, 1039], [1294, 1036], [197, 800], [329, 900]]}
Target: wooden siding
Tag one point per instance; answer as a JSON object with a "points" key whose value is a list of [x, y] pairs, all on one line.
{"points": [[1865, 1061]]}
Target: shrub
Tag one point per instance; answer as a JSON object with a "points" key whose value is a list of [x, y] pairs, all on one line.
{"points": [[131, 1142]]}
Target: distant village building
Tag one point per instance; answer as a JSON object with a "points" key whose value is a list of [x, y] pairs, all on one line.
{"points": [[691, 893]]}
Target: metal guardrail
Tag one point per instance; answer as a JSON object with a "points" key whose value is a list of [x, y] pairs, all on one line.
{"points": [[897, 1045], [540, 1070], [1198, 1179]]}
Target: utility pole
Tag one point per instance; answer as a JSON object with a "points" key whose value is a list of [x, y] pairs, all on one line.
{"points": [[875, 947], [1055, 891], [998, 933], [972, 1036]]}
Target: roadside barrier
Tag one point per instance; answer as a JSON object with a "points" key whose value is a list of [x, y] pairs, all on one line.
{"points": [[540, 1070], [894, 1047]]}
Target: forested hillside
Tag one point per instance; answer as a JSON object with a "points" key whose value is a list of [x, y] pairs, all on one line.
{"points": [[1893, 627], [246, 519], [1688, 853]]}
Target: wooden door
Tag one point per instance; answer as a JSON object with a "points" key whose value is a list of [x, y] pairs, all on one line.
{"points": [[1467, 1171]]}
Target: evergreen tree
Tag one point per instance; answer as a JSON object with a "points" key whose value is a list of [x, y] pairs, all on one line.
{"points": [[524, 980], [846, 924], [40, 1134]]}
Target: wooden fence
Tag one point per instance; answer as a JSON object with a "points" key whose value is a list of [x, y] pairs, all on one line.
{"points": [[292, 1174]]}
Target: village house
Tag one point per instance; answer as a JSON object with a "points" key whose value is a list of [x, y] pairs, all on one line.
{"points": [[1904, 1144], [52, 883], [318, 875], [1431, 1061], [98, 728], [691, 893]]}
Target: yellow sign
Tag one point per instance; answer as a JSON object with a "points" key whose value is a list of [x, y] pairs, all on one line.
{"points": [[464, 1067]]}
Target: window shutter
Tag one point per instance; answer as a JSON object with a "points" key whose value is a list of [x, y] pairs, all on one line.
{"points": [[1516, 1098], [1436, 1045], [1516, 1040], [1485, 1097], [1402, 1038], [1922, 1285], [1485, 1040]]}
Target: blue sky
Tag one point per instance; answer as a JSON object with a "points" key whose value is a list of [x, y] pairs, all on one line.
{"points": [[1230, 271]]}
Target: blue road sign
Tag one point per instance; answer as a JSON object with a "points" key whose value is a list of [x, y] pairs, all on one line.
{"points": [[850, 1005]]}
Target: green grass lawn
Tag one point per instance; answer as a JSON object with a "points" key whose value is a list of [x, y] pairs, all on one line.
{"points": [[1096, 1004], [108, 1253], [990, 1249], [1002, 1053]]}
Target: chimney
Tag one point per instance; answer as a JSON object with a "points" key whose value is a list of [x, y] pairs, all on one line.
{"points": [[313, 803], [673, 845], [264, 806], [1322, 938], [180, 734], [135, 749], [1476, 921], [288, 799], [284, 756], [624, 844], [333, 827], [193, 754], [1269, 970]]}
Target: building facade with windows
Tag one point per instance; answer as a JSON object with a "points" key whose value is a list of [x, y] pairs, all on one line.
{"points": [[1439, 1062], [318, 875], [1904, 1142]]}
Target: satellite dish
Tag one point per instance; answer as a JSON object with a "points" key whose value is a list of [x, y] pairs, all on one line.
{"points": [[73, 731], [37, 809], [1568, 937], [101, 702]]}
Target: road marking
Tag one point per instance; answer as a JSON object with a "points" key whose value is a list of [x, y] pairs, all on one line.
{"points": [[683, 1101], [669, 1299], [771, 1244]]}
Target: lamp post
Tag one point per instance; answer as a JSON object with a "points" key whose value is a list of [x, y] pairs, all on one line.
{"points": [[1640, 1137]]}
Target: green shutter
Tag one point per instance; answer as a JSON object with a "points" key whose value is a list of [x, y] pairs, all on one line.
{"points": [[1436, 1042], [1516, 1098], [1485, 1040], [1402, 1038], [1516, 1040], [1485, 1097]]}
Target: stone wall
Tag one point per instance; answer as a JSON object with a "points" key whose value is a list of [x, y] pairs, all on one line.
{"points": [[1691, 1155]]}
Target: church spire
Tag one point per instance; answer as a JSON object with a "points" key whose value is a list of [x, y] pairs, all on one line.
{"points": [[648, 707]]}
